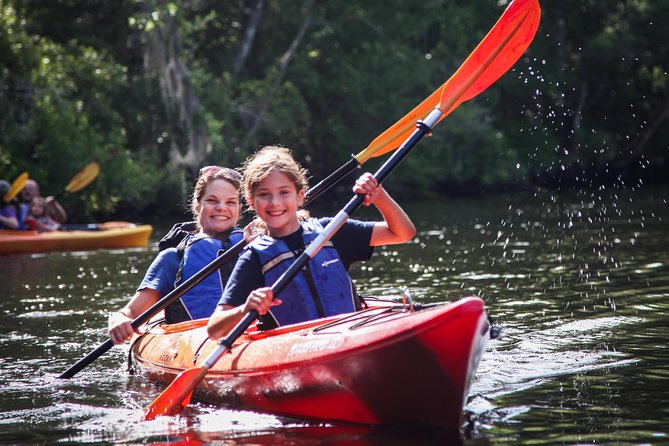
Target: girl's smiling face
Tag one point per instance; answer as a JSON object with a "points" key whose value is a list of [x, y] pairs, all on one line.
{"points": [[276, 201], [219, 207]]}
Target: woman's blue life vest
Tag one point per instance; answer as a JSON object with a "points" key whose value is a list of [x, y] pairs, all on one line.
{"points": [[198, 251], [323, 287]]}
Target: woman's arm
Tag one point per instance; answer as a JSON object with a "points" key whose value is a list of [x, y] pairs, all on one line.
{"points": [[120, 329], [396, 226]]}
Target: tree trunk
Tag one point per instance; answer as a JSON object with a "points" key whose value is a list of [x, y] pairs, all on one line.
{"points": [[189, 142], [249, 35], [281, 72]]}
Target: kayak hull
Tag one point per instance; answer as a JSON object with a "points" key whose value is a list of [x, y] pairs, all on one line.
{"points": [[106, 235], [382, 365]]}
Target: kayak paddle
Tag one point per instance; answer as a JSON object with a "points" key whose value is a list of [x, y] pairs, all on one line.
{"points": [[83, 178], [16, 187], [519, 21], [179, 392]]}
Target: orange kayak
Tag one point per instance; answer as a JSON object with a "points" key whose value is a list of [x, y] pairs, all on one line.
{"points": [[387, 364], [115, 234]]}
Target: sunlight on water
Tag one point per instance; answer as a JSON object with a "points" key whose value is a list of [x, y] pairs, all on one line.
{"points": [[579, 286]]}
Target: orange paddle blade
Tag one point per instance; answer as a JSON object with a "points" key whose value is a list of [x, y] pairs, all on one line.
{"points": [[494, 55], [177, 394], [83, 178], [16, 187]]}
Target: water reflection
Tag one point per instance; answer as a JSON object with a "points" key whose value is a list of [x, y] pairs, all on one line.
{"points": [[578, 283]]}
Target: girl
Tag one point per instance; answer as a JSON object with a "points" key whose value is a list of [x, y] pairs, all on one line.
{"points": [[38, 219], [275, 184], [215, 206]]}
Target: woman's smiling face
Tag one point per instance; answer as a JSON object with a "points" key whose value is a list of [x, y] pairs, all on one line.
{"points": [[276, 201], [219, 207]]}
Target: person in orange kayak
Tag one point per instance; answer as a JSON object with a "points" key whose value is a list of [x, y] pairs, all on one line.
{"points": [[38, 219], [53, 207], [8, 218], [215, 205], [274, 186]]}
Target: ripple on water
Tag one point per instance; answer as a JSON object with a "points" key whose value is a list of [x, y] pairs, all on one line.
{"points": [[522, 360]]}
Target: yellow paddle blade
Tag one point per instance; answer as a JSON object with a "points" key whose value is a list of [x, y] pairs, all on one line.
{"points": [[83, 178], [493, 56], [17, 186], [177, 394]]}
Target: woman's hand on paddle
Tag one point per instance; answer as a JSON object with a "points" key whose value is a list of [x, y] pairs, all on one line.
{"points": [[120, 329], [261, 300], [368, 186]]}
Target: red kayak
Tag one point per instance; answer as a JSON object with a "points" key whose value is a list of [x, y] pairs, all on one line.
{"points": [[386, 364]]}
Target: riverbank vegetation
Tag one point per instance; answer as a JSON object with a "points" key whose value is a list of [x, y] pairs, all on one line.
{"points": [[153, 90]]}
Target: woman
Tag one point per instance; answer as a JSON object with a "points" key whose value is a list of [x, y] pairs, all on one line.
{"points": [[216, 205], [275, 185]]}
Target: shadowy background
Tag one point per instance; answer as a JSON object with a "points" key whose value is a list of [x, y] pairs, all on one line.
{"points": [[153, 90]]}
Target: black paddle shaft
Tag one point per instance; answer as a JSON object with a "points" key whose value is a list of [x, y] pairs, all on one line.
{"points": [[332, 179], [332, 227]]}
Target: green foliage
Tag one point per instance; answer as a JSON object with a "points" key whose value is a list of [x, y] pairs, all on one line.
{"points": [[589, 96]]}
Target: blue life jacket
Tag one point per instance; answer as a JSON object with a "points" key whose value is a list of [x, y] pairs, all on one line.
{"points": [[201, 300], [323, 288]]}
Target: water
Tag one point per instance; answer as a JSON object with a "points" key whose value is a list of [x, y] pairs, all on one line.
{"points": [[577, 281]]}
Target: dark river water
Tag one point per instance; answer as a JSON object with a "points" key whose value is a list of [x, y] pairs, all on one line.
{"points": [[578, 281]]}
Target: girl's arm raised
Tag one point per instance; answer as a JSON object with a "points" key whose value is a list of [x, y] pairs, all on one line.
{"points": [[396, 226]]}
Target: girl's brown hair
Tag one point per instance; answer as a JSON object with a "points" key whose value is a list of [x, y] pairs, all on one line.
{"points": [[273, 159]]}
